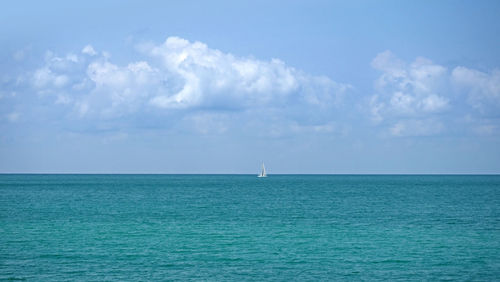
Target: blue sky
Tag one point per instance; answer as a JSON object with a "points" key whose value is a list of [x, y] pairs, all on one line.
{"points": [[220, 86]]}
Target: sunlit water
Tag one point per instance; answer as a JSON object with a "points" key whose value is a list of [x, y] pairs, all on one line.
{"points": [[240, 227]]}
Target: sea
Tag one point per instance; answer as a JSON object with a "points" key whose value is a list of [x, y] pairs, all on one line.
{"points": [[240, 227]]}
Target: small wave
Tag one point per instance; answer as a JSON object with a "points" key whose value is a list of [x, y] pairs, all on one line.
{"points": [[14, 279], [392, 261]]}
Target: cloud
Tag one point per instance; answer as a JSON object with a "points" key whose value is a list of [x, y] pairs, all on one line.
{"points": [[182, 85], [190, 82], [483, 89], [407, 89], [211, 78], [424, 98], [89, 50], [390, 65], [45, 78], [58, 73]]}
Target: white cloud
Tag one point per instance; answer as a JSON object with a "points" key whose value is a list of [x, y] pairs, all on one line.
{"points": [[59, 74], [213, 78], [433, 103], [483, 89], [45, 78], [181, 77], [89, 50], [408, 89], [376, 107], [403, 103], [408, 95], [389, 64], [422, 97]]}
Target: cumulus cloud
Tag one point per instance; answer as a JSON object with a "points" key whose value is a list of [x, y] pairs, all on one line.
{"points": [[407, 89], [211, 78], [210, 75], [188, 84], [182, 77], [424, 98], [89, 50]]}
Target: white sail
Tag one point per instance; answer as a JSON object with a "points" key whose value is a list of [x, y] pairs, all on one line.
{"points": [[263, 171]]}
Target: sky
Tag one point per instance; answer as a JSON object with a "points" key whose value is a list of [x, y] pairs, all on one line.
{"points": [[337, 87]]}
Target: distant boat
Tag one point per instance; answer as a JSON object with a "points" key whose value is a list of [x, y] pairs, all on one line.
{"points": [[263, 171]]}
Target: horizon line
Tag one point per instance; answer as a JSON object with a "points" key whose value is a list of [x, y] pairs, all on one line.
{"points": [[153, 173]]}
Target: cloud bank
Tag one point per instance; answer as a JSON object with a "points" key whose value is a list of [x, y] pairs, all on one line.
{"points": [[423, 98], [180, 85], [191, 80]]}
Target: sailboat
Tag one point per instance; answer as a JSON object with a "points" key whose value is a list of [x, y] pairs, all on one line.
{"points": [[263, 171]]}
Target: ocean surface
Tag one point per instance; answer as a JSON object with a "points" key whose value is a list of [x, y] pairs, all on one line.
{"points": [[240, 227]]}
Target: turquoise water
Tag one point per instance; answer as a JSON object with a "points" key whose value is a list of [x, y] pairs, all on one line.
{"points": [[240, 227]]}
